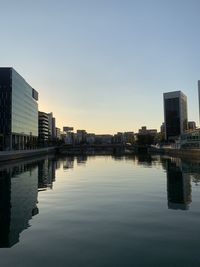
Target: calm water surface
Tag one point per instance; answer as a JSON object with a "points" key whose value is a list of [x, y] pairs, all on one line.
{"points": [[101, 211]]}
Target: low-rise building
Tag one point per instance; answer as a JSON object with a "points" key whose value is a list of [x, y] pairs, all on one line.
{"points": [[145, 131], [190, 139], [103, 139]]}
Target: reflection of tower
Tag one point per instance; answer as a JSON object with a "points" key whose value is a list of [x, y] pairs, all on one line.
{"points": [[18, 198], [46, 174], [178, 187]]}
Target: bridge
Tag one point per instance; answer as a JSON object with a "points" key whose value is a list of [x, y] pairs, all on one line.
{"points": [[97, 147]]}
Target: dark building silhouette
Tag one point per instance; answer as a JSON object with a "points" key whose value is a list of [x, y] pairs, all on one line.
{"points": [[175, 114]]}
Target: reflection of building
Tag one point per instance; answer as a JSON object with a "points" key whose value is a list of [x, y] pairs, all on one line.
{"points": [[68, 163], [81, 159], [175, 113], [19, 112], [46, 174], [18, 198], [178, 186]]}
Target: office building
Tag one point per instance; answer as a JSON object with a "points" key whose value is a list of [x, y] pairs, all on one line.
{"points": [[52, 126], [175, 114], [18, 112], [43, 127]]}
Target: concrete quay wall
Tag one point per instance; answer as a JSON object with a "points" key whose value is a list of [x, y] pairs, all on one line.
{"points": [[23, 154], [189, 153]]}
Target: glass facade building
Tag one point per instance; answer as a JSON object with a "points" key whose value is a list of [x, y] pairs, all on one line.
{"points": [[175, 113], [18, 112]]}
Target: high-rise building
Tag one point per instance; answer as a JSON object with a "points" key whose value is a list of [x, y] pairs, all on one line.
{"points": [[18, 111], [175, 114]]}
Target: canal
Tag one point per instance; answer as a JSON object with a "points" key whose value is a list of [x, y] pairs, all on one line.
{"points": [[100, 211]]}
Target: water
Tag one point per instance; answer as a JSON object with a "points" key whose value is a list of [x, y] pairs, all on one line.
{"points": [[101, 211]]}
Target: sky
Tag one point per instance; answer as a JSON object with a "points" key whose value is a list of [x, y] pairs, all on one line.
{"points": [[103, 65]]}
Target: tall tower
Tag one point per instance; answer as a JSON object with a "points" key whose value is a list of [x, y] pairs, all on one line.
{"points": [[175, 114]]}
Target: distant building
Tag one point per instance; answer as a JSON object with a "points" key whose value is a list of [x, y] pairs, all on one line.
{"points": [[68, 129], [146, 136], [52, 126], [69, 138], [191, 125], [58, 133], [145, 131], [81, 136], [43, 127], [175, 114], [18, 112], [118, 138], [90, 138], [129, 137], [103, 139], [162, 128]]}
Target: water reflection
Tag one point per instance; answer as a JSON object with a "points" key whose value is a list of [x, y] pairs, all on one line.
{"points": [[21, 182], [68, 163], [19, 186], [46, 173], [178, 186], [18, 201]]}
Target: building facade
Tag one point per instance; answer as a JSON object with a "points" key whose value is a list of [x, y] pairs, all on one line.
{"points": [[43, 127], [52, 126], [18, 112], [175, 114]]}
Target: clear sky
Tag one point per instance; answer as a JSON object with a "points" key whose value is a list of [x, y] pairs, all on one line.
{"points": [[103, 65]]}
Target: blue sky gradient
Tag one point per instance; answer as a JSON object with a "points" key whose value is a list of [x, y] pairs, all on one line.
{"points": [[103, 65]]}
